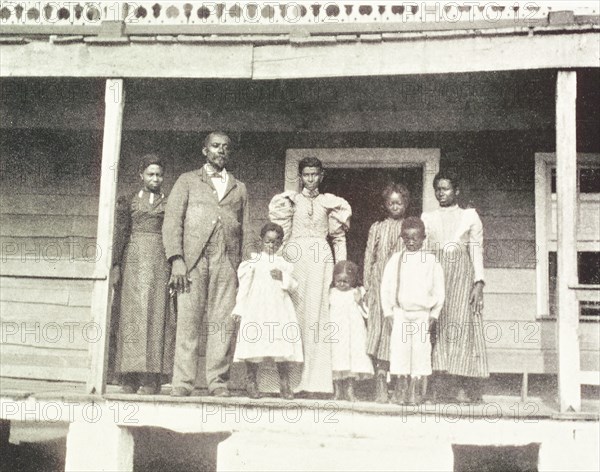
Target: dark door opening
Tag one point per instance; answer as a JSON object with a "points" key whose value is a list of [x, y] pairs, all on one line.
{"points": [[362, 188]]}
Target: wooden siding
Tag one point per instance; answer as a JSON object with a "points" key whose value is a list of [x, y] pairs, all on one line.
{"points": [[48, 207], [516, 340], [46, 328]]}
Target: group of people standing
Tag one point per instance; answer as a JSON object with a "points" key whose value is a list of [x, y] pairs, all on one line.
{"points": [[192, 244]]}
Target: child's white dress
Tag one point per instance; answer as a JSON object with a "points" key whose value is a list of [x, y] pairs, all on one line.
{"points": [[348, 335], [268, 327]]}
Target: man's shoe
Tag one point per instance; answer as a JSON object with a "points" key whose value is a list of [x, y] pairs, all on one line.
{"points": [[180, 392], [220, 392]]}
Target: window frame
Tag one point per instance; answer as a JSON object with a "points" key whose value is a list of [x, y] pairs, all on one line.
{"points": [[544, 162]]}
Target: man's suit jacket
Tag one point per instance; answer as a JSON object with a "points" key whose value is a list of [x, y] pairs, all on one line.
{"points": [[193, 210]]}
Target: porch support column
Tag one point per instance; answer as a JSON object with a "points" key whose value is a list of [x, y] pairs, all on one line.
{"points": [[99, 446], [566, 189], [101, 296]]}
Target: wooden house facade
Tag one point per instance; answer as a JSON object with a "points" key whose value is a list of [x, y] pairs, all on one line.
{"points": [[507, 96], [385, 107]]}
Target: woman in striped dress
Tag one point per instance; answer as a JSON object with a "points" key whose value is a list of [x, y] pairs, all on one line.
{"points": [[309, 218], [456, 235], [384, 240]]}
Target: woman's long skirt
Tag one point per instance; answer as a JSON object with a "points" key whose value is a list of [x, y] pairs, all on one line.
{"points": [[459, 342], [145, 338], [313, 269]]}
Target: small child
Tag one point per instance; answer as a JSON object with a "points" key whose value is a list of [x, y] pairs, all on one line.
{"points": [[384, 240], [347, 312], [265, 311], [412, 293]]}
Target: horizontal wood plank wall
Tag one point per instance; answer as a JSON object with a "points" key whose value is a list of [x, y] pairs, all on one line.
{"points": [[46, 328], [48, 208]]}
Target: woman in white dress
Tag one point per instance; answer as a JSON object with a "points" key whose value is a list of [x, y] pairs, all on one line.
{"points": [[456, 235], [309, 218]]}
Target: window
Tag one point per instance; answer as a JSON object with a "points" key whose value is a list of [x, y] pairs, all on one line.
{"points": [[588, 272], [588, 234]]}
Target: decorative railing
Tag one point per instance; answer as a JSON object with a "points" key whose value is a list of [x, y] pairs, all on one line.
{"points": [[274, 13]]}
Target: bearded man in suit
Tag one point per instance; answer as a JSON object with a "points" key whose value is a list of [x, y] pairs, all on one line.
{"points": [[204, 233]]}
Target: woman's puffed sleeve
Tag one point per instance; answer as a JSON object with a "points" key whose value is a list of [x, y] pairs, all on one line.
{"points": [[281, 211], [339, 213], [245, 275], [476, 244]]}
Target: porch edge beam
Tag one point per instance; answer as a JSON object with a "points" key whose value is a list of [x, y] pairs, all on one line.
{"points": [[239, 61], [146, 60], [460, 55], [566, 189], [100, 306]]}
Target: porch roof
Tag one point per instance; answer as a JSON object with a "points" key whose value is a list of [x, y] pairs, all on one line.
{"points": [[110, 32], [170, 35], [297, 23], [265, 40]]}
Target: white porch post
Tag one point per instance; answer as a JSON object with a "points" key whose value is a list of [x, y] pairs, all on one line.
{"points": [[566, 190], [111, 149], [99, 446]]}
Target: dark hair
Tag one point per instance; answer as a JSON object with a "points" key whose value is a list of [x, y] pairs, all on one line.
{"points": [[206, 141], [149, 160], [309, 162], [413, 222], [349, 268], [449, 175], [396, 188], [271, 227]]}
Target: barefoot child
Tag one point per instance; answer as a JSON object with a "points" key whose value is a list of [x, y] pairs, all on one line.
{"points": [[384, 240], [265, 310], [412, 294], [347, 313]]}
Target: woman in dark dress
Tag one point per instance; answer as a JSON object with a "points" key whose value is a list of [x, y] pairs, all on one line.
{"points": [[144, 337]]}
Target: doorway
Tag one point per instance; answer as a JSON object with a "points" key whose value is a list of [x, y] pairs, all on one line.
{"points": [[360, 174], [362, 189]]}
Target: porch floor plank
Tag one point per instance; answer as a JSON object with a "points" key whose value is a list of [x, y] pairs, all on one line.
{"points": [[494, 406]]}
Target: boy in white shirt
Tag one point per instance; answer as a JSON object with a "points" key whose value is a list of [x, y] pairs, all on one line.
{"points": [[412, 292]]}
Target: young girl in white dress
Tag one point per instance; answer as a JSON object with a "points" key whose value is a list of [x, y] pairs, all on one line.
{"points": [[268, 328], [347, 312]]}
